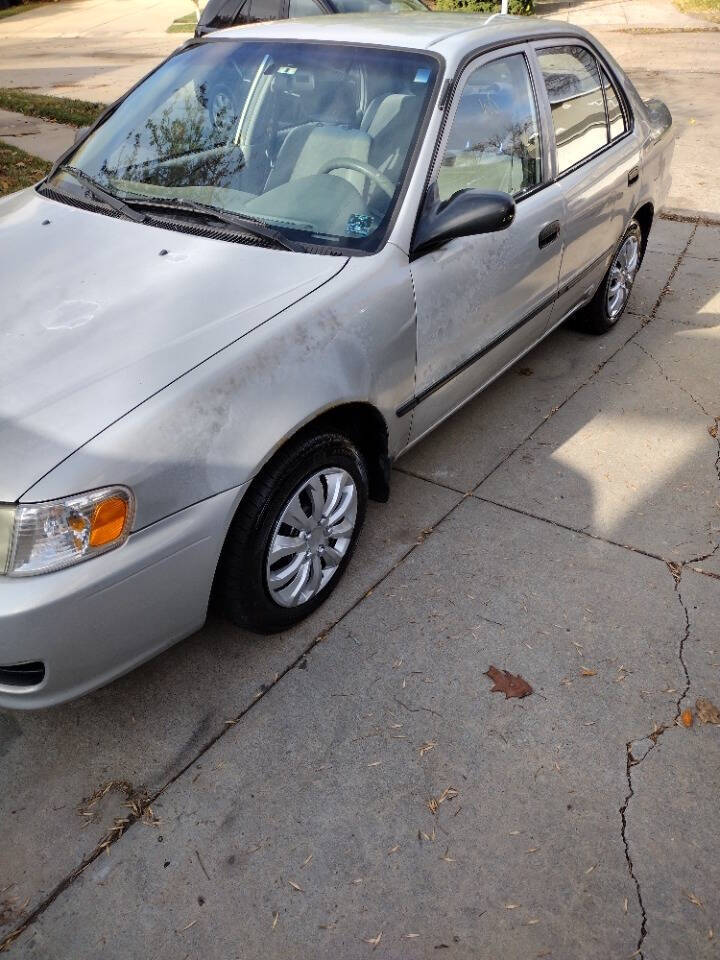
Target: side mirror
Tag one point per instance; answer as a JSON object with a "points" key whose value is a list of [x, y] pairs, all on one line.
{"points": [[80, 133], [465, 214]]}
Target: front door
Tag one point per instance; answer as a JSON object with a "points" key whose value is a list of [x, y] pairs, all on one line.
{"points": [[483, 300]]}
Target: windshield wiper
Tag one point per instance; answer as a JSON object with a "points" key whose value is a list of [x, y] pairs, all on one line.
{"points": [[101, 194], [250, 225]]}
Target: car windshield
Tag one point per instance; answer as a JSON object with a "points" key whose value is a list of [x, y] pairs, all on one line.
{"points": [[312, 140]]}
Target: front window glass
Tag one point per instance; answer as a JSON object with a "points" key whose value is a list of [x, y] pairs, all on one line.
{"points": [[578, 108], [283, 132], [494, 142]]}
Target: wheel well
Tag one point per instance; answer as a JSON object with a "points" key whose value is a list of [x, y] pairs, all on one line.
{"points": [[365, 426], [644, 217]]}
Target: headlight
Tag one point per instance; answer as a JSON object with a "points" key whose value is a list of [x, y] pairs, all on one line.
{"points": [[41, 537]]}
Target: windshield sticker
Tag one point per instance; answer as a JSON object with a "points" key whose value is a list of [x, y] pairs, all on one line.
{"points": [[359, 225], [422, 75]]}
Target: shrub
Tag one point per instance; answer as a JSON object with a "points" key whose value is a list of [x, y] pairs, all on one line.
{"points": [[522, 7]]}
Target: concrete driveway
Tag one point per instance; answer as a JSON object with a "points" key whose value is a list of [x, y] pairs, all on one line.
{"points": [[304, 795], [352, 788]]}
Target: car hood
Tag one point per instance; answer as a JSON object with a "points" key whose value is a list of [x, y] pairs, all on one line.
{"points": [[98, 313]]}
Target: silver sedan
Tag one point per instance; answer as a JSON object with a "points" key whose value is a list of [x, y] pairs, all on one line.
{"points": [[219, 328]]}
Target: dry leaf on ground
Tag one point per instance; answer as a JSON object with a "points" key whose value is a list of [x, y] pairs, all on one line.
{"points": [[707, 711], [511, 684], [586, 672], [686, 717]]}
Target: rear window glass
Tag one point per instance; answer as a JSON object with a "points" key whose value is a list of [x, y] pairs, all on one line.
{"points": [[572, 79], [616, 117]]}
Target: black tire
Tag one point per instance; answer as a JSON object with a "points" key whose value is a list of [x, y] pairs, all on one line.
{"points": [[241, 587], [595, 318]]}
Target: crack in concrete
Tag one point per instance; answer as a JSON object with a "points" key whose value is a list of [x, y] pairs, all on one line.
{"points": [[628, 858], [672, 380], [675, 570], [632, 761]]}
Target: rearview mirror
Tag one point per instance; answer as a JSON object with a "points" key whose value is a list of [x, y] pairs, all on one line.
{"points": [[465, 214]]}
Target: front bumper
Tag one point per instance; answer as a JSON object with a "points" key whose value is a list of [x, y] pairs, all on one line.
{"points": [[92, 622]]}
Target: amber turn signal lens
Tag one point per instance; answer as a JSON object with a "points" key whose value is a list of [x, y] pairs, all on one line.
{"points": [[108, 521]]}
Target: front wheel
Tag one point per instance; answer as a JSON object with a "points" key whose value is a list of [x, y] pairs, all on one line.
{"points": [[610, 300], [294, 534]]}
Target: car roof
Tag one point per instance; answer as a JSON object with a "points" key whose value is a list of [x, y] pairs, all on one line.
{"points": [[450, 34]]}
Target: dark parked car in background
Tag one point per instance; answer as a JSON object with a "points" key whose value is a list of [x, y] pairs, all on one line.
{"points": [[232, 13]]}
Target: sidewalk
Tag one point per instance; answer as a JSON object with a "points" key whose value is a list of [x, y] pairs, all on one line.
{"points": [[38, 137], [90, 49], [621, 14]]}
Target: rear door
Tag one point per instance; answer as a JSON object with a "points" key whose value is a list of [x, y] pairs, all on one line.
{"points": [[596, 161], [483, 300]]}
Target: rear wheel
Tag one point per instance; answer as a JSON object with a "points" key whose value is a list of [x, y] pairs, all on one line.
{"points": [[294, 534], [610, 300]]}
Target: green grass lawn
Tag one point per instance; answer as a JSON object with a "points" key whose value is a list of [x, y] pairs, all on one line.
{"points": [[184, 24], [22, 8], [19, 169], [703, 8], [77, 113]]}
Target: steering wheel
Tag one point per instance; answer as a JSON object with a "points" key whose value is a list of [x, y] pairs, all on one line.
{"points": [[348, 163]]}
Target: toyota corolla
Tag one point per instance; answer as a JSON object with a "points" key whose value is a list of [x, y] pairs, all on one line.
{"points": [[220, 327]]}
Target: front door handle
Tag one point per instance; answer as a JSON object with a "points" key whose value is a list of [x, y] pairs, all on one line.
{"points": [[633, 176], [548, 233]]}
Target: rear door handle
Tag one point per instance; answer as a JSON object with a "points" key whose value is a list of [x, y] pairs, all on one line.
{"points": [[633, 176], [548, 233]]}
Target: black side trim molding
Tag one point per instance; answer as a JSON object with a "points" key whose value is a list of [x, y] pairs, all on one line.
{"points": [[479, 354], [434, 387]]}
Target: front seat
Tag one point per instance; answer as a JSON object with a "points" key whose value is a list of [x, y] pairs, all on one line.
{"points": [[390, 121], [329, 133], [306, 149]]}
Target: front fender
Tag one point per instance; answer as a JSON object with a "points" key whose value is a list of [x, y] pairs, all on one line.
{"points": [[214, 428]]}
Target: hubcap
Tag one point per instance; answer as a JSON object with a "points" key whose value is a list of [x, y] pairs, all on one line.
{"points": [[622, 276], [311, 537]]}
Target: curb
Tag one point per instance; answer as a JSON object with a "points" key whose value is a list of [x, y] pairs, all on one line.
{"points": [[682, 215]]}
